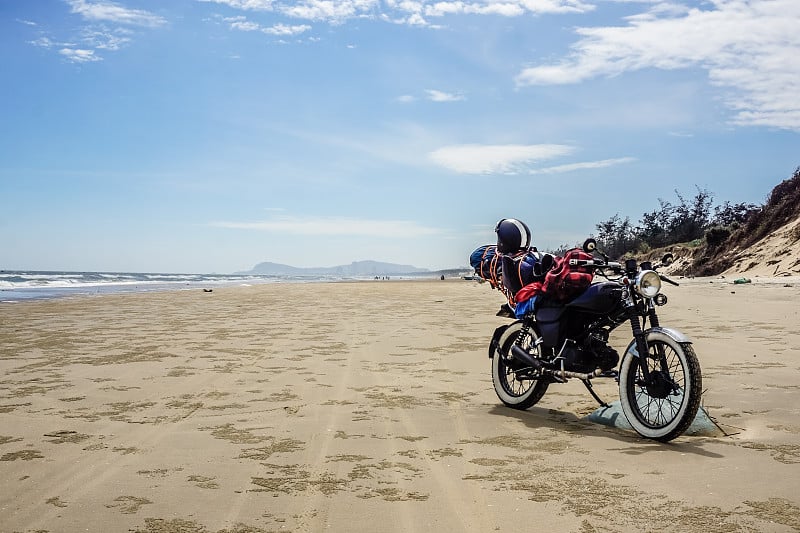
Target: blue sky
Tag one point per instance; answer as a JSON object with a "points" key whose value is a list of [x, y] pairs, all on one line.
{"points": [[210, 135]]}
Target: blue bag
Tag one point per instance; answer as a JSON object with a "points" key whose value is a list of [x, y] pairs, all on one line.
{"points": [[485, 261]]}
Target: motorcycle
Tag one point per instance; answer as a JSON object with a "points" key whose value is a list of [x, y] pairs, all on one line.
{"points": [[660, 383]]}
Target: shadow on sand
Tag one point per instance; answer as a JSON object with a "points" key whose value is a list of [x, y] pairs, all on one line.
{"points": [[613, 427]]}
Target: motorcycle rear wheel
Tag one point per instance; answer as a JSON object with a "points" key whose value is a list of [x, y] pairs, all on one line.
{"points": [[513, 389], [664, 408]]}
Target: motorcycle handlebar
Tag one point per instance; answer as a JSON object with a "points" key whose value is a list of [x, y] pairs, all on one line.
{"points": [[597, 263], [665, 278]]}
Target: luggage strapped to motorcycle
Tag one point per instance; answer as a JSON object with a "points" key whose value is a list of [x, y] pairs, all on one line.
{"points": [[565, 280], [493, 280], [486, 263], [561, 283]]}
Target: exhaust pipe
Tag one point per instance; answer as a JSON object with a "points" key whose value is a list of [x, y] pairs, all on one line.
{"points": [[564, 374], [521, 355]]}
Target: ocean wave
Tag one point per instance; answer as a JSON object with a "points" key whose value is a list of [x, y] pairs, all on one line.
{"points": [[20, 285], [16, 285]]}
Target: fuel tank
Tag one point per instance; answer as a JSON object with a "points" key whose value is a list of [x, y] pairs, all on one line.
{"points": [[599, 298]]}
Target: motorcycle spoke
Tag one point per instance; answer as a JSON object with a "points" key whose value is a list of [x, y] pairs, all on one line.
{"points": [[663, 405], [516, 386], [663, 364], [654, 410]]}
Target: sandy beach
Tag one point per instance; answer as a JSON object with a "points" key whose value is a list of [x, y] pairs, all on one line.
{"points": [[369, 407]]}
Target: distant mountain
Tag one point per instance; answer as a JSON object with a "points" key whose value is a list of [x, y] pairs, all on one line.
{"points": [[356, 268]]}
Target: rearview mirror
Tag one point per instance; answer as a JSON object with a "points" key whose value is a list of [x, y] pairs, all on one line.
{"points": [[589, 245], [667, 260]]}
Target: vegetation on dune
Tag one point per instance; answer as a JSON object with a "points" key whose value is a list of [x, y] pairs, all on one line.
{"points": [[710, 232]]}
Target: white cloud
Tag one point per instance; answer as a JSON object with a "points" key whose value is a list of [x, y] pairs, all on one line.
{"points": [[335, 226], [441, 9], [104, 39], [250, 5], [96, 35], [76, 55], [415, 19], [283, 29], [603, 163], [440, 96], [43, 42], [242, 24], [409, 12], [331, 10], [111, 12], [750, 48], [499, 159], [507, 9]]}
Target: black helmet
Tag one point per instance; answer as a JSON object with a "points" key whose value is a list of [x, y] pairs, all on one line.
{"points": [[512, 235]]}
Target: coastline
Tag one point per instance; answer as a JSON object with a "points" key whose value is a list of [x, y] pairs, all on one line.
{"points": [[17, 286], [369, 407]]}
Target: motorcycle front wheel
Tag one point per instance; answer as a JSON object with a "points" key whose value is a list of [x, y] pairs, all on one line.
{"points": [[664, 406], [512, 379]]}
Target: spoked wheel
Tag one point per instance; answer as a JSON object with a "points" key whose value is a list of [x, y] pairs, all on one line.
{"points": [[664, 406], [514, 382]]}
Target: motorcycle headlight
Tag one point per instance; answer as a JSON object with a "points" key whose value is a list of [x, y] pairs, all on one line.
{"points": [[647, 283]]}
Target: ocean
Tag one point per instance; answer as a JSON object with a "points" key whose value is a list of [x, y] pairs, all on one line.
{"points": [[20, 285]]}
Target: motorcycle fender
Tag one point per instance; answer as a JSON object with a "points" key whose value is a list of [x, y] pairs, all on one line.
{"points": [[497, 336], [654, 333], [494, 343]]}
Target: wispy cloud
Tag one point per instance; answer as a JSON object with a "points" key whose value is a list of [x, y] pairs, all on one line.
{"points": [[586, 165], [506, 9], [750, 48], [283, 30], [107, 27], [496, 159], [332, 11], [72, 53], [410, 12], [45, 42], [248, 5], [103, 39], [111, 12], [77, 55], [441, 96], [334, 226], [432, 95], [314, 10]]}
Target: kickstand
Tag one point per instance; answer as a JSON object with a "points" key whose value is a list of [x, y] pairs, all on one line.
{"points": [[593, 393]]}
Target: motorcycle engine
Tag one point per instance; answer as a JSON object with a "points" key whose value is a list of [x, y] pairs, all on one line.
{"points": [[606, 357], [578, 360], [593, 354]]}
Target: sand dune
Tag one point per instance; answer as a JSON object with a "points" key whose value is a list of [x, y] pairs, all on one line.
{"points": [[777, 255]]}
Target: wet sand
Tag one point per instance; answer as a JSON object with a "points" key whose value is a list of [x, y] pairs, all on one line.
{"points": [[368, 407]]}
